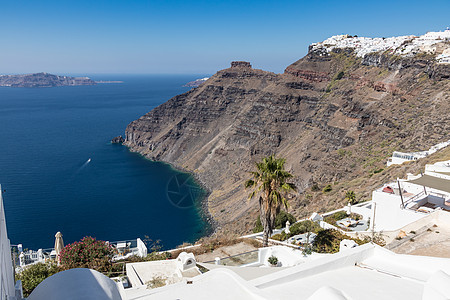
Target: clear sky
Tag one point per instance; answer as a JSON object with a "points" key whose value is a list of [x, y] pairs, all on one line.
{"points": [[171, 36]]}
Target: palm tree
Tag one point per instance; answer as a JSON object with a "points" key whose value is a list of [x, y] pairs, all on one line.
{"points": [[269, 181], [351, 197]]}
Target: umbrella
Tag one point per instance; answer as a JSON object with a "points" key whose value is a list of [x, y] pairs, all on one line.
{"points": [[59, 244]]}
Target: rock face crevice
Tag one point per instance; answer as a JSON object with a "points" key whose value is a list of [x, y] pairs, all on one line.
{"points": [[323, 105]]}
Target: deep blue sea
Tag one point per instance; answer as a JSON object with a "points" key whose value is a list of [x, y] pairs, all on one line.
{"points": [[47, 137]]}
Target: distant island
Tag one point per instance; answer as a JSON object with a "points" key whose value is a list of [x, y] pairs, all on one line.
{"points": [[109, 81], [196, 83], [43, 80]]}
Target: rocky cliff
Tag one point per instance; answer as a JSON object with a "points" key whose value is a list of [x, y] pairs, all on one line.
{"points": [[42, 80], [335, 116]]}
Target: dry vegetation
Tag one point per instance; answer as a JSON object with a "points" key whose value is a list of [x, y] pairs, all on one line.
{"points": [[209, 244]]}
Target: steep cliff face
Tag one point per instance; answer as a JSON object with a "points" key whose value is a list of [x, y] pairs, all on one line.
{"points": [[334, 117]]}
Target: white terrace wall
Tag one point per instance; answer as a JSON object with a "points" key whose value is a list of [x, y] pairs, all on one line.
{"points": [[437, 168], [436, 217], [142, 249], [7, 290], [438, 175], [388, 214]]}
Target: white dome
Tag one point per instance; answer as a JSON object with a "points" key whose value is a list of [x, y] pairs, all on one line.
{"points": [[328, 293], [76, 284]]}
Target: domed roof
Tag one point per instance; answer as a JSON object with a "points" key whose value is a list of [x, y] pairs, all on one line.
{"points": [[77, 284]]}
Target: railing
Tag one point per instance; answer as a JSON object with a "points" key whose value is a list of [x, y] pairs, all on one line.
{"points": [[440, 195], [413, 198]]}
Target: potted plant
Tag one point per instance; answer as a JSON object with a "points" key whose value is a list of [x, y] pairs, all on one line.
{"points": [[273, 261]]}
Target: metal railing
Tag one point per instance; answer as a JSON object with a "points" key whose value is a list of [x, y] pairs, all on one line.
{"points": [[413, 198]]}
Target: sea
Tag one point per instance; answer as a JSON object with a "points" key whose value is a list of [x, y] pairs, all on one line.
{"points": [[60, 172]]}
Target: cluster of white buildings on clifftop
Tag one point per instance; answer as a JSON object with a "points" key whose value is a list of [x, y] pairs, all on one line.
{"points": [[437, 43]]}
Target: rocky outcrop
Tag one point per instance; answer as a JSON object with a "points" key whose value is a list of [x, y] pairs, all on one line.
{"points": [[241, 64], [332, 115], [118, 140], [43, 80]]}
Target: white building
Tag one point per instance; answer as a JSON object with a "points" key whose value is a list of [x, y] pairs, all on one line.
{"points": [[402, 45], [9, 290], [364, 272], [398, 204], [401, 157]]}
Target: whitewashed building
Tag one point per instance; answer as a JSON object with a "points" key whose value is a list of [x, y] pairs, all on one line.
{"points": [[9, 290], [407, 46], [401, 157]]}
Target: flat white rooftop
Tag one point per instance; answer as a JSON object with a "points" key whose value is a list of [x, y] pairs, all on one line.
{"points": [[354, 282], [365, 272]]}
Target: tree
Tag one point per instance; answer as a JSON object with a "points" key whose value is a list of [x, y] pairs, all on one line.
{"points": [[350, 196], [270, 183]]}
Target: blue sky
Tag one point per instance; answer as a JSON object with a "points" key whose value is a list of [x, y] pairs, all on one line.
{"points": [[173, 36]]}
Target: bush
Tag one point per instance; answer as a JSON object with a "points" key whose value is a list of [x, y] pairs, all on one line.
{"points": [[280, 221], [282, 218], [88, 253], [304, 226], [339, 76], [327, 188], [378, 171], [307, 250], [33, 275], [339, 215], [273, 260], [327, 241], [279, 236], [258, 225]]}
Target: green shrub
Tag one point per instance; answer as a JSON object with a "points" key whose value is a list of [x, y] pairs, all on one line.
{"points": [[279, 236], [88, 253], [328, 241], [341, 152], [307, 250], [327, 188], [339, 215], [280, 221], [378, 171], [273, 260], [282, 218], [304, 226], [258, 225], [32, 275], [339, 76]]}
